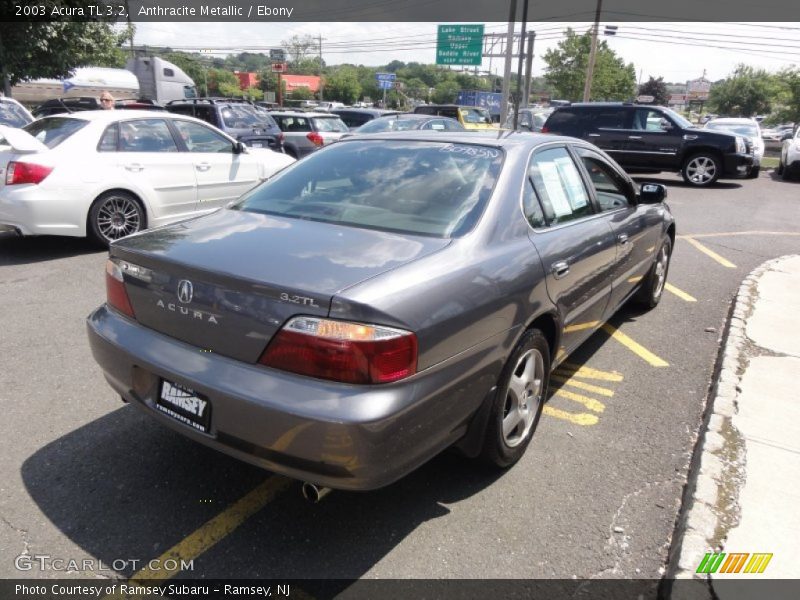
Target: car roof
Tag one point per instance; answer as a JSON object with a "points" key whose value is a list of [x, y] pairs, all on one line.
{"points": [[112, 116], [734, 121], [496, 139], [300, 113]]}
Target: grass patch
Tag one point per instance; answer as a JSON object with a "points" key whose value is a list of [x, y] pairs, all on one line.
{"points": [[770, 162]]}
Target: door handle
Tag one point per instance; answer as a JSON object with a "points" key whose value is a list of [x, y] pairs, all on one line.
{"points": [[559, 269], [622, 238], [135, 167], [634, 137], [594, 135], [202, 166], [689, 137]]}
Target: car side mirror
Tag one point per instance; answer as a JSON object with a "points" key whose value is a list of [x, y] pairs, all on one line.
{"points": [[652, 193], [239, 148]]}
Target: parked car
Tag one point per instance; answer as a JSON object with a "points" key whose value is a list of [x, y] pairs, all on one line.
{"points": [[748, 128], [356, 117], [417, 291], [13, 114], [238, 118], [648, 139], [789, 165], [471, 117], [529, 119], [305, 132], [58, 106], [408, 122], [108, 174]]}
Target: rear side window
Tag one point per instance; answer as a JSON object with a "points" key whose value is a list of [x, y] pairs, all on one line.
{"points": [[54, 130], [559, 186], [328, 124], [293, 123], [110, 139], [611, 118], [566, 122]]}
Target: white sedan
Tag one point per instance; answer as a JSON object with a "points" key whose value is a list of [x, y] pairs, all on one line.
{"points": [[108, 174], [748, 128]]}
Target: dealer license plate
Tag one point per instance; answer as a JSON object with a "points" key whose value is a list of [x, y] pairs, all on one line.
{"points": [[184, 405]]}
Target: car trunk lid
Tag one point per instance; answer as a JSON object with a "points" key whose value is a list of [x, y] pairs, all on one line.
{"points": [[228, 281]]}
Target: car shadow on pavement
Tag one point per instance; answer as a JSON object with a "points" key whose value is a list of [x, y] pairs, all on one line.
{"points": [[124, 488], [16, 250]]}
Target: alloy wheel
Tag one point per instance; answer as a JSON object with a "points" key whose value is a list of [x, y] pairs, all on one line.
{"points": [[701, 170], [523, 397], [118, 217]]}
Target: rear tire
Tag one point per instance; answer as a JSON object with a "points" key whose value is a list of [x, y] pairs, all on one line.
{"points": [[701, 170], [518, 402], [649, 295], [115, 215], [754, 173], [786, 174], [779, 170]]}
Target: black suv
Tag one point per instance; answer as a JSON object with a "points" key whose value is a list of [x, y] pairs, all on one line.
{"points": [[652, 139], [241, 120]]}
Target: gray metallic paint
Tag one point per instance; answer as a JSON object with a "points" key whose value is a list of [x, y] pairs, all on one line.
{"points": [[468, 300]]}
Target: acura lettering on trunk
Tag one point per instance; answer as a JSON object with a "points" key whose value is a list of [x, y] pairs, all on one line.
{"points": [[385, 298]]}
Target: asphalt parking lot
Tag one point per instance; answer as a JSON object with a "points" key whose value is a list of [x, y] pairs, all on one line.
{"points": [[84, 477]]}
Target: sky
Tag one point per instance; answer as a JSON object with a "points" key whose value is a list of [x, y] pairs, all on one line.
{"points": [[675, 51]]}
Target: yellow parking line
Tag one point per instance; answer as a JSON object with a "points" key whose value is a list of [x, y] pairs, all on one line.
{"points": [[584, 386], [590, 403], [634, 347], [214, 530], [679, 293], [729, 233], [581, 326], [583, 419], [575, 370], [709, 252]]}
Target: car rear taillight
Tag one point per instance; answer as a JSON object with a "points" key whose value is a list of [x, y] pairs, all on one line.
{"points": [[281, 137], [342, 351], [315, 138], [545, 129], [116, 295], [24, 172]]}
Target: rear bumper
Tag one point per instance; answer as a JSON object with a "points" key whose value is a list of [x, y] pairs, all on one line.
{"points": [[34, 210], [336, 435]]}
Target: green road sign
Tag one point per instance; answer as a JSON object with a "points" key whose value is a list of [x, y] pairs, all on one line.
{"points": [[459, 45]]}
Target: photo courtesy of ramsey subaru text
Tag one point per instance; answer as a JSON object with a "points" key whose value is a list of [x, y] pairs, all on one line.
{"points": [[385, 298], [107, 174]]}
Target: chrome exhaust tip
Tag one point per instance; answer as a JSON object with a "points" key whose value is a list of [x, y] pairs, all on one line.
{"points": [[314, 493]]}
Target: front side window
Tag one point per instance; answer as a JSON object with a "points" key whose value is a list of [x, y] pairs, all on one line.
{"points": [[475, 115], [146, 135], [650, 120], [199, 138], [425, 188], [559, 186], [610, 189]]}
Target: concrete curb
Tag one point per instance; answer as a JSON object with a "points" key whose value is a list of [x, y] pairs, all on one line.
{"points": [[711, 505]]}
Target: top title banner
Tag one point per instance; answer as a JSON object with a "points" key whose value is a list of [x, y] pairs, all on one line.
{"points": [[394, 10]]}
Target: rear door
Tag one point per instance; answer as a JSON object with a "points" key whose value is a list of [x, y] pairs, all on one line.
{"points": [[221, 174], [575, 242], [147, 154], [608, 128]]}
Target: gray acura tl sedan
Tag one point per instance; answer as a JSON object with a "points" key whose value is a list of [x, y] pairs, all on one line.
{"points": [[386, 298]]}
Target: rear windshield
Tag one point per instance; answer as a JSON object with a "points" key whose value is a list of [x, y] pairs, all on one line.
{"points": [[745, 129], [390, 124], [424, 188], [243, 117], [334, 124], [51, 131]]}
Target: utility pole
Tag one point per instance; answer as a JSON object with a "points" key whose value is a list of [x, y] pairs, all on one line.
{"points": [[512, 14], [587, 87], [320, 67], [519, 63], [529, 67]]}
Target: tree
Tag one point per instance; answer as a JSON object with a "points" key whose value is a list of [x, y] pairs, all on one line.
{"points": [[566, 70], [747, 92], [788, 81], [299, 47], [445, 92], [222, 83], [342, 85], [29, 50], [655, 88], [302, 93]]}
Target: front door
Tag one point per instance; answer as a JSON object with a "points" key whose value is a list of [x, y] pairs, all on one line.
{"points": [[652, 142]]}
